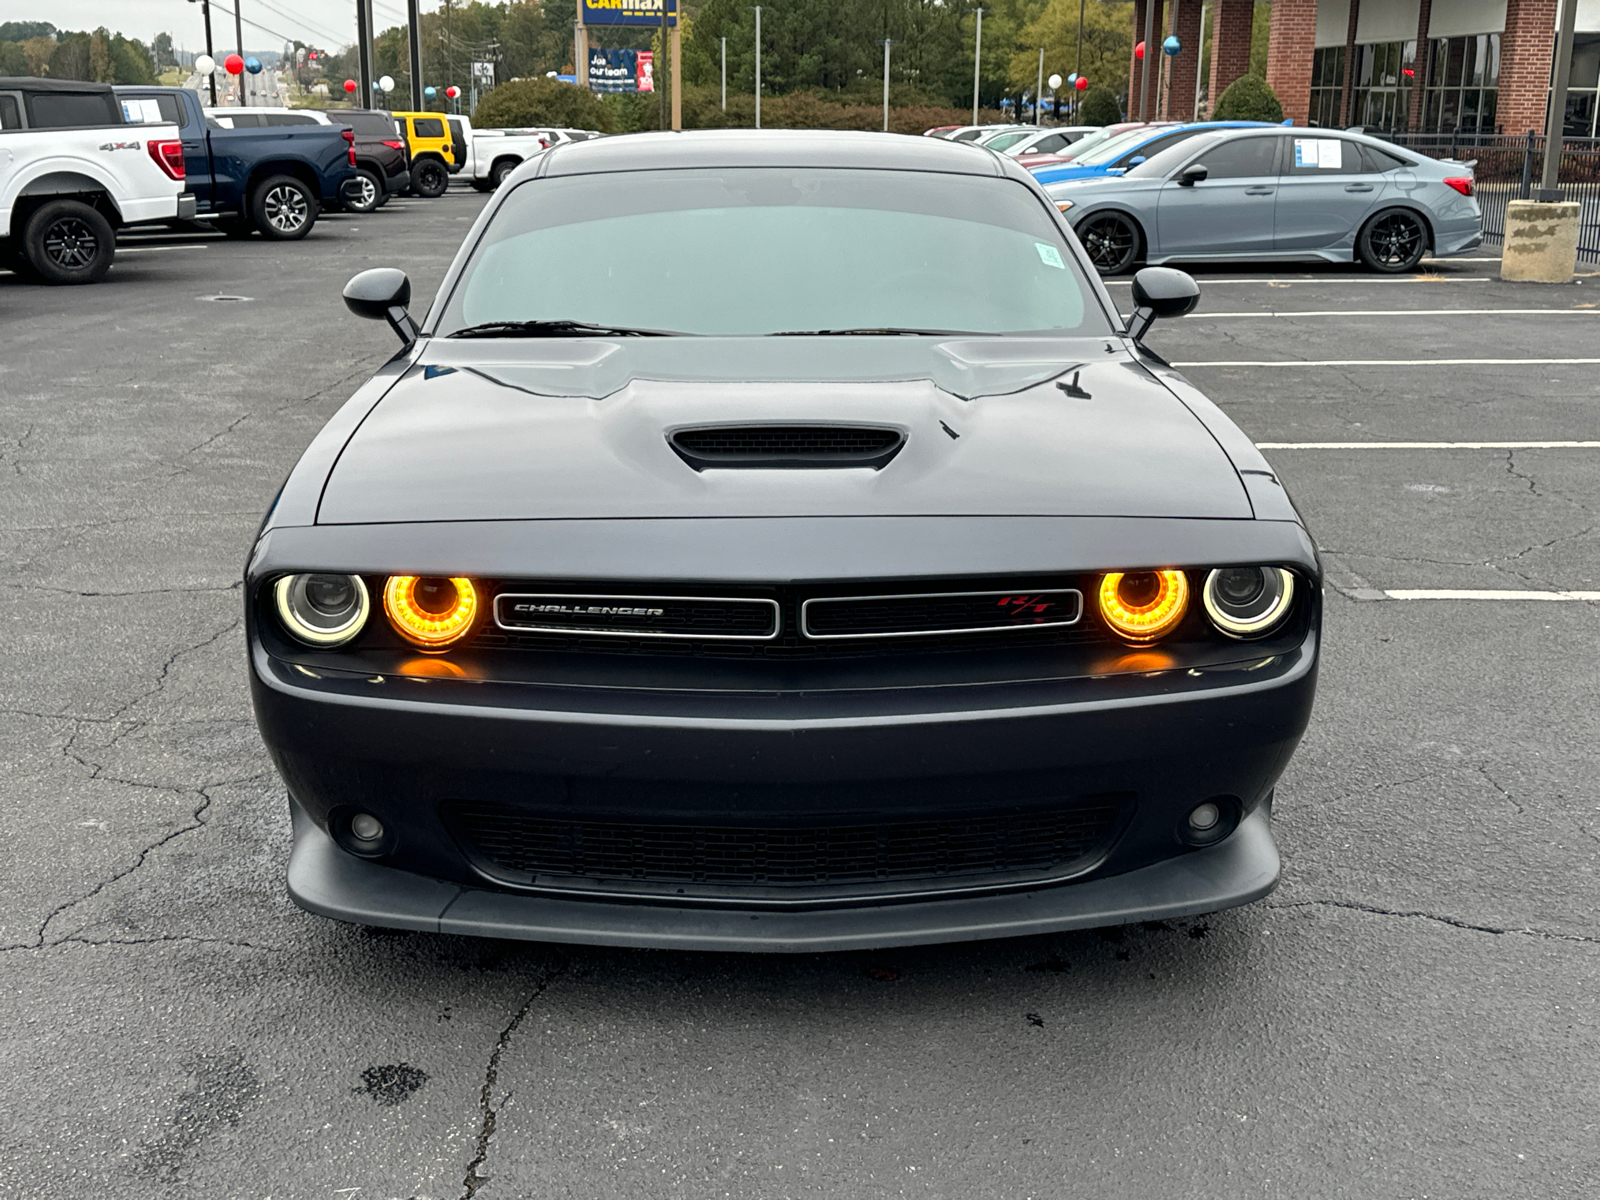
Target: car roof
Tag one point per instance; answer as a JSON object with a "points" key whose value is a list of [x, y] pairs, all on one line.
{"points": [[32, 83], [769, 148]]}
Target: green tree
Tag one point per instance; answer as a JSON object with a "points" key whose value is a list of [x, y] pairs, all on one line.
{"points": [[21, 31], [1248, 98], [1099, 107], [131, 62], [100, 56], [12, 59], [161, 48], [70, 57], [542, 102], [1107, 43]]}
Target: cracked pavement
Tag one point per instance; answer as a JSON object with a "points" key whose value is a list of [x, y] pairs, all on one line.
{"points": [[1412, 1013]]}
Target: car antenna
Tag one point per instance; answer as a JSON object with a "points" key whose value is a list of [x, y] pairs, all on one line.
{"points": [[1072, 389]]}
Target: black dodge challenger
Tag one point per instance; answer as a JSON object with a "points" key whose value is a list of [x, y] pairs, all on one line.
{"points": [[778, 541]]}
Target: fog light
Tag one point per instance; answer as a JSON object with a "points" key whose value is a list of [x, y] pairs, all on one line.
{"points": [[1211, 821], [367, 828], [1201, 817]]}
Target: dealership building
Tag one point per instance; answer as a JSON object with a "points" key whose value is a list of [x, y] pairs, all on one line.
{"points": [[1419, 66]]}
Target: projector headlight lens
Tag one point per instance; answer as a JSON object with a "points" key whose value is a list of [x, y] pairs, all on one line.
{"points": [[430, 611], [321, 610], [1144, 606], [1248, 602]]}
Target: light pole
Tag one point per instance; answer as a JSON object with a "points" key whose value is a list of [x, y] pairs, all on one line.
{"points": [[1194, 113], [724, 74], [1055, 95], [1144, 77], [977, 57], [238, 28], [1550, 177], [1077, 70], [886, 44], [211, 75], [758, 66], [414, 14], [1038, 88]]}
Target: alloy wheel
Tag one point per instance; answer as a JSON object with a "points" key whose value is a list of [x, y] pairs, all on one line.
{"points": [[1110, 242], [286, 209], [71, 244], [1395, 239], [369, 193]]}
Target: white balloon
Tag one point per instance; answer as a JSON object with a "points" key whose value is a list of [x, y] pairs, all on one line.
{"points": [[1054, 82], [205, 64], [386, 83]]}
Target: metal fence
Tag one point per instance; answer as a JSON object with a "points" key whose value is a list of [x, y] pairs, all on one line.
{"points": [[1508, 168]]}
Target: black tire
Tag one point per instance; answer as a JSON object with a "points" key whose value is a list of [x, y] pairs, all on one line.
{"points": [[481, 185], [366, 194], [283, 208], [501, 171], [1112, 240], [1393, 241], [429, 178], [66, 241]]}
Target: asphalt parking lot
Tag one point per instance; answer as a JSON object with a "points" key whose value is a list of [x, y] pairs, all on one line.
{"points": [[1413, 1013]]}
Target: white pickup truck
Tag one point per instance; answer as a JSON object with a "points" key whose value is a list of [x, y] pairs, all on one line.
{"points": [[498, 152], [73, 171]]}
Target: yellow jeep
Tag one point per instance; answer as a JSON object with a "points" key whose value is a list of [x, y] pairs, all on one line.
{"points": [[432, 151]]}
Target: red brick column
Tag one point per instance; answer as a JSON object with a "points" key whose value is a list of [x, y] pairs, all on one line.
{"points": [[1230, 45], [1289, 51], [1525, 65], [1136, 67], [1419, 67], [1181, 68]]}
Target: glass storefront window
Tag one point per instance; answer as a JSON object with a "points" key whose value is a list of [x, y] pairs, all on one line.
{"points": [[1463, 78], [1583, 86]]}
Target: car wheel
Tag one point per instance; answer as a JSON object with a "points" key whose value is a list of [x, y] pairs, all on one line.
{"points": [[481, 185], [430, 179], [66, 241], [1393, 241], [366, 193], [501, 171], [1111, 240], [284, 208]]}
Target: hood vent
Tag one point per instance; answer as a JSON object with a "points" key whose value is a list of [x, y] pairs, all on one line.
{"points": [[786, 446]]}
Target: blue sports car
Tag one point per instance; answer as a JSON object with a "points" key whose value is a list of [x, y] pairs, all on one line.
{"points": [[1274, 193], [1128, 150]]}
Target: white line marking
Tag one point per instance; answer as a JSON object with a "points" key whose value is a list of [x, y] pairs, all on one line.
{"points": [[1482, 594], [1428, 445], [1454, 259], [1407, 312], [1390, 362], [153, 249], [1205, 282]]}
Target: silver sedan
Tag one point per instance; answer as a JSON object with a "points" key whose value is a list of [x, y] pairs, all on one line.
{"points": [[1294, 194]]}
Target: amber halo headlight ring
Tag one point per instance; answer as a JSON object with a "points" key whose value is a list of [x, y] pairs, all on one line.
{"points": [[432, 612], [1248, 602], [321, 610], [1143, 606]]}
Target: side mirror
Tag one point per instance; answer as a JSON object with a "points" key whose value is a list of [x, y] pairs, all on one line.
{"points": [[383, 294], [1136, 160], [1192, 174], [1160, 292]]}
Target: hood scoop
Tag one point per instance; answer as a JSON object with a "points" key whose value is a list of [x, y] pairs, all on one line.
{"points": [[712, 447]]}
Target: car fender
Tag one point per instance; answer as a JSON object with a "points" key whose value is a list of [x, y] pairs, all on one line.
{"points": [[1117, 205], [65, 174], [1385, 201]]}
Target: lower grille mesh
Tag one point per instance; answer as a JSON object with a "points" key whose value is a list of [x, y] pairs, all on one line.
{"points": [[525, 848]]}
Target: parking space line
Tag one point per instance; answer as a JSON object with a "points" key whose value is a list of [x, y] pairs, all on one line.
{"points": [[1205, 282], [1390, 362], [155, 249], [1484, 594], [1403, 312], [1428, 445]]}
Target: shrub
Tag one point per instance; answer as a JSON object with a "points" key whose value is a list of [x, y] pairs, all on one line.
{"points": [[1100, 107], [545, 101], [1248, 98]]}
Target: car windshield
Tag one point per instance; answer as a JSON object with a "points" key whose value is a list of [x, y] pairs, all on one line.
{"points": [[751, 251], [1007, 139], [1112, 148], [1164, 162]]}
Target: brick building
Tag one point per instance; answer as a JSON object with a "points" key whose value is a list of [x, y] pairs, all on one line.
{"points": [[1471, 66]]}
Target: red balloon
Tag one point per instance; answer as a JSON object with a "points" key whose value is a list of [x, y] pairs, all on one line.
{"points": [[1138, 51], [233, 64], [1082, 83], [452, 91], [349, 85]]}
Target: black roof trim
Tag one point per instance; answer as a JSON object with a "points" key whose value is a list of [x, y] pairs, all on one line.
{"points": [[32, 83]]}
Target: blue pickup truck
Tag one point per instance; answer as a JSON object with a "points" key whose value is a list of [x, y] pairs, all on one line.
{"points": [[274, 180]]}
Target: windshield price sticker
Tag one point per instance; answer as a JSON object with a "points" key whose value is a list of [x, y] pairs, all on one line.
{"points": [[1050, 256], [1323, 153]]}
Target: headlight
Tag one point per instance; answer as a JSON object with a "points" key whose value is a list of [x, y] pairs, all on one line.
{"points": [[430, 610], [1247, 602], [321, 610], [1063, 205], [1143, 606]]}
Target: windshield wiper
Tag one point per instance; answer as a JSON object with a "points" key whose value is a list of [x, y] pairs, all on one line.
{"points": [[868, 331], [556, 329]]}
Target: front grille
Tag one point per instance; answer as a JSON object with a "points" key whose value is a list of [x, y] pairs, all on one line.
{"points": [[928, 613], [709, 617], [685, 860], [786, 445]]}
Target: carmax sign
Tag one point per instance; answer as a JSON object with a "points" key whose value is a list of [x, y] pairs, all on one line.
{"points": [[628, 12]]}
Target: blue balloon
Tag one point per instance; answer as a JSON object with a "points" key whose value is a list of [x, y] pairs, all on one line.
{"points": [[1172, 45], [253, 65], [1072, 79], [430, 93]]}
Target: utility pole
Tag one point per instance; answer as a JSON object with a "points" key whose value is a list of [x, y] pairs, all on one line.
{"points": [[1038, 90], [1555, 124], [1078, 70], [758, 66], [886, 45], [414, 26], [724, 74], [211, 79], [661, 76], [364, 51], [1194, 113], [977, 58], [449, 48], [238, 28], [677, 69], [1144, 76]]}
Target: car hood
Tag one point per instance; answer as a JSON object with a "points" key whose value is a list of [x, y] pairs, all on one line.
{"points": [[479, 430]]}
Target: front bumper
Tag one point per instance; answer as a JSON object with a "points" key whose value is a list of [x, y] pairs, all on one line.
{"points": [[324, 879]]}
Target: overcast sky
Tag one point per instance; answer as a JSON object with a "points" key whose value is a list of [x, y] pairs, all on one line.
{"points": [[327, 23]]}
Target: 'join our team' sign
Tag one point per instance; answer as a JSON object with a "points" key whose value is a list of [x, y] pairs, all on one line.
{"points": [[628, 12]]}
